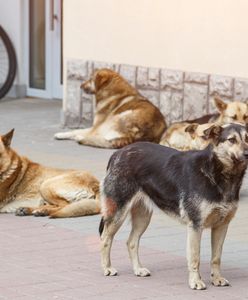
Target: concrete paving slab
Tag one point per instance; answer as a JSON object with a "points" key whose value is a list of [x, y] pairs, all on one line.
{"points": [[42, 258]]}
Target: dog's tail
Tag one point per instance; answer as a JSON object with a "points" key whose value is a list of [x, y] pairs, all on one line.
{"points": [[84, 207], [101, 226]]}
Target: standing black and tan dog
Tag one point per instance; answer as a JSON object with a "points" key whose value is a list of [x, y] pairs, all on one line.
{"points": [[123, 116], [200, 188], [28, 188]]}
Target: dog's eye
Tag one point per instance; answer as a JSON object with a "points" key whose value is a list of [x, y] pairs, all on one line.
{"points": [[232, 140], [246, 138], [234, 117], [245, 117]]}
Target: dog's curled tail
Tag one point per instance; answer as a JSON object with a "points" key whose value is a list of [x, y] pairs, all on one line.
{"points": [[84, 207]]}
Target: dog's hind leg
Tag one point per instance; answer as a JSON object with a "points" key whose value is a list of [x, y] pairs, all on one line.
{"points": [[84, 207], [140, 217], [193, 257], [95, 140], [72, 194], [217, 239], [111, 226], [72, 135], [102, 142]]}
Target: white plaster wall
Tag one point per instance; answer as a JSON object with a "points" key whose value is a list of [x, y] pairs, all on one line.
{"points": [[207, 36]]}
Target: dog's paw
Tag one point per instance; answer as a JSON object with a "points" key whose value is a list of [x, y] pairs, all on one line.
{"points": [[60, 136], [142, 272], [40, 213], [110, 272], [22, 211], [219, 281], [80, 140], [197, 284]]}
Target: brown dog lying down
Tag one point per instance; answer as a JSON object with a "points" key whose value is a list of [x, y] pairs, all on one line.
{"points": [[185, 136], [232, 112], [28, 188], [122, 116]]}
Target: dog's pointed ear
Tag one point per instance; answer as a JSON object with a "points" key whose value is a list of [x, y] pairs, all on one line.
{"points": [[7, 138], [102, 78], [213, 132], [191, 129], [220, 104]]}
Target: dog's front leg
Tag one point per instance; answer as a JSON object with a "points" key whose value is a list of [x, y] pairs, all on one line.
{"points": [[217, 239], [193, 257]]}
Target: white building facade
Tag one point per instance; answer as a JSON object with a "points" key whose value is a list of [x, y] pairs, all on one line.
{"points": [[178, 53]]}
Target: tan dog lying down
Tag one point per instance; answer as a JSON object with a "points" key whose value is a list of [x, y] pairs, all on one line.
{"points": [[122, 116], [185, 136], [189, 135], [231, 112], [28, 188]]}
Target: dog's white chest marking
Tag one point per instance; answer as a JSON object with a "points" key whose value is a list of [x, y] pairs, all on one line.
{"points": [[211, 214]]}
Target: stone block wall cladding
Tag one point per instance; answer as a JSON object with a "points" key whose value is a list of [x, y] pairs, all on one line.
{"points": [[179, 95]]}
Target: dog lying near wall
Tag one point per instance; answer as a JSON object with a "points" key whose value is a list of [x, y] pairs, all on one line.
{"points": [[28, 188], [193, 134], [123, 116], [231, 112], [185, 136], [200, 188]]}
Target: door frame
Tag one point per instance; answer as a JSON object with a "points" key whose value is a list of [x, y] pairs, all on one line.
{"points": [[51, 64]]}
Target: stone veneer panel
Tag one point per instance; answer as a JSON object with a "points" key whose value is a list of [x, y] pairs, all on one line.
{"points": [[129, 73], [148, 78], [221, 85], [152, 95], [195, 100], [77, 69], [73, 106], [165, 105], [171, 106], [196, 77], [179, 95], [171, 79], [241, 89]]}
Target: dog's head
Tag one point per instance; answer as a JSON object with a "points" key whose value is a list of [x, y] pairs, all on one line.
{"points": [[233, 112], [5, 150], [230, 144], [98, 80], [186, 136], [199, 135]]}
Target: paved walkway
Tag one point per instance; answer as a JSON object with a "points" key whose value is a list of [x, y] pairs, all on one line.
{"points": [[59, 259]]}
